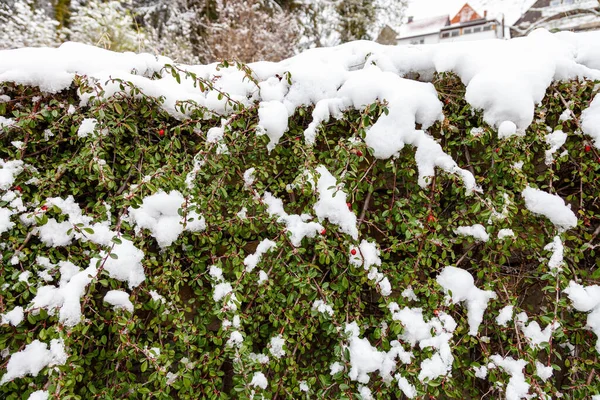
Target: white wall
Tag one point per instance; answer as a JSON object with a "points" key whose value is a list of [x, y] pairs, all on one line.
{"points": [[432, 38]]}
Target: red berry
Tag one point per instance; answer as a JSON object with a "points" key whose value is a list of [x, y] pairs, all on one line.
{"points": [[497, 150], [353, 252], [588, 148], [44, 207], [161, 132], [323, 232], [349, 205], [436, 312], [430, 218], [359, 153], [18, 188], [297, 138]]}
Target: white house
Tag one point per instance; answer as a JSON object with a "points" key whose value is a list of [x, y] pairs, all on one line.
{"points": [[466, 25]]}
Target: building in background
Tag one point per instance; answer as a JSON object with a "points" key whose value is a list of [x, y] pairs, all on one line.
{"points": [[466, 25], [559, 15]]}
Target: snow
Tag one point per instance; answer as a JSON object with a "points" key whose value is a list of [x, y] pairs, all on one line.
{"points": [[366, 359], [303, 386], [5, 223], [272, 120], [320, 306], [87, 127], [13, 317], [544, 372], [590, 121], [262, 277], [259, 380], [459, 285], [6, 122], [127, 267], [66, 297], [409, 294], [505, 233], [365, 393], [242, 214], [32, 359], [156, 297], [506, 314], [252, 260], [556, 259], [587, 299], [423, 26], [517, 387], [533, 332], [507, 129], [38, 395], [408, 389], [276, 346], [481, 372], [295, 224], [555, 140], [235, 339], [332, 204], [476, 231], [249, 177], [8, 172], [221, 290], [159, 213], [335, 368], [27, 65], [550, 206], [367, 255], [119, 299], [259, 358]]}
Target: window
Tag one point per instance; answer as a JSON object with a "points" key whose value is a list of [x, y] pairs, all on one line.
{"points": [[487, 27], [445, 34], [554, 3], [417, 41], [466, 31], [478, 29], [454, 33]]}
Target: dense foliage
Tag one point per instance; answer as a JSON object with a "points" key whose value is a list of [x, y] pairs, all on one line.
{"points": [[144, 150]]}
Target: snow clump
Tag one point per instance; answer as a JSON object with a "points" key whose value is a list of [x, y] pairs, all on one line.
{"points": [[460, 286], [550, 206], [159, 213], [32, 359]]}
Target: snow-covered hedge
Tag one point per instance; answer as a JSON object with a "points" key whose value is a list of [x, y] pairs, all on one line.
{"points": [[360, 221]]}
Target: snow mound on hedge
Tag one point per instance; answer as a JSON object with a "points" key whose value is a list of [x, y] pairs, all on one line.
{"points": [[459, 285], [587, 299], [32, 359], [550, 206], [160, 214], [590, 120], [352, 75]]}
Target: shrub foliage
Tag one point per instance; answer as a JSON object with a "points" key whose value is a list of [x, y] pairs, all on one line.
{"points": [[144, 150]]}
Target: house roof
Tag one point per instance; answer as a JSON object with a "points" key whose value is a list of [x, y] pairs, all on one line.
{"points": [[423, 26], [465, 14]]}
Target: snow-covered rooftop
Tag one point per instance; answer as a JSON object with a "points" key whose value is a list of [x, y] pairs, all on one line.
{"points": [[424, 26]]}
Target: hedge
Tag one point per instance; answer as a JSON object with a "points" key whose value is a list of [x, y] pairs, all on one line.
{"points": [[205, 320]]}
